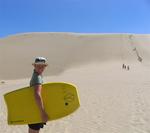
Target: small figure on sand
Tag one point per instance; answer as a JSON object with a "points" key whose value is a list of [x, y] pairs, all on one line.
{"points": [[128, 68], [140, 59], [123, 66]]}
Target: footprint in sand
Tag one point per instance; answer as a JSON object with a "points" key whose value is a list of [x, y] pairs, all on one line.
{"points": [[140, 118]]}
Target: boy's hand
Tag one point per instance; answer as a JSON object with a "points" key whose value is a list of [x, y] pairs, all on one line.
{"points": [[44, 116]]}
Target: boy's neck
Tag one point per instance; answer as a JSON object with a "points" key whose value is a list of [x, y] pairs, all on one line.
{"points": [[37, 72]]}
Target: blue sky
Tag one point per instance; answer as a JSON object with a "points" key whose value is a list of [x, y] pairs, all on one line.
{"points": [[83, 16]]}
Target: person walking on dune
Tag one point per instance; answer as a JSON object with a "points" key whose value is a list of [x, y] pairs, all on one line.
{"points": [[128, 68]]}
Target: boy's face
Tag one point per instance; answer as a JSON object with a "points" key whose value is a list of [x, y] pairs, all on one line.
{"points": [[39, 68]]}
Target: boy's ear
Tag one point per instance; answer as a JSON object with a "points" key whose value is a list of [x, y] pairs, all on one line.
{"points": [[33, 64]]}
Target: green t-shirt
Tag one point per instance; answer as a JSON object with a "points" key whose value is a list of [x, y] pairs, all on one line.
{"points": [[36, 79]]}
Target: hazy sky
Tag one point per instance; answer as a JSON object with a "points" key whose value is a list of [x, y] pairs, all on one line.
{"points": [[85, 16]]}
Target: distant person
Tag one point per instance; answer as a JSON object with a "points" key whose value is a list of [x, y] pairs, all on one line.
{"points": [[123, 66], [140, 59], [36, 81], [128, 68]]}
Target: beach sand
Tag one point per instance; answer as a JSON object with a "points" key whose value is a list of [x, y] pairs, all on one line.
{"points": [[113, 99]]}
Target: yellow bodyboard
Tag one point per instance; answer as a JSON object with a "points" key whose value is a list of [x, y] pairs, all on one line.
{"points": [[59, 99]]}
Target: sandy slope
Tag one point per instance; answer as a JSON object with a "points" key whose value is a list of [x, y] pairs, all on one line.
{"points": [[113, 100]]}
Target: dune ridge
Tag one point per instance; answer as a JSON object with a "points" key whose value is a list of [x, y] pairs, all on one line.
{"points": [[113, 99]]}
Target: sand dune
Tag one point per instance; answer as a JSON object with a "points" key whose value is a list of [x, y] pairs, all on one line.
{"points": [[67, 51], [113, 100]]}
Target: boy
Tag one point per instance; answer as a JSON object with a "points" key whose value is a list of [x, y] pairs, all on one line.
{"points": [[36, 81]]}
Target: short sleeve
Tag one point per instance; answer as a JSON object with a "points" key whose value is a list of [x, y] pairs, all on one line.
{"points": [[36, 80]]}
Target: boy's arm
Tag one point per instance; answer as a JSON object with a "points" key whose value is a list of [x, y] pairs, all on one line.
{"points": [[38, 98]]}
